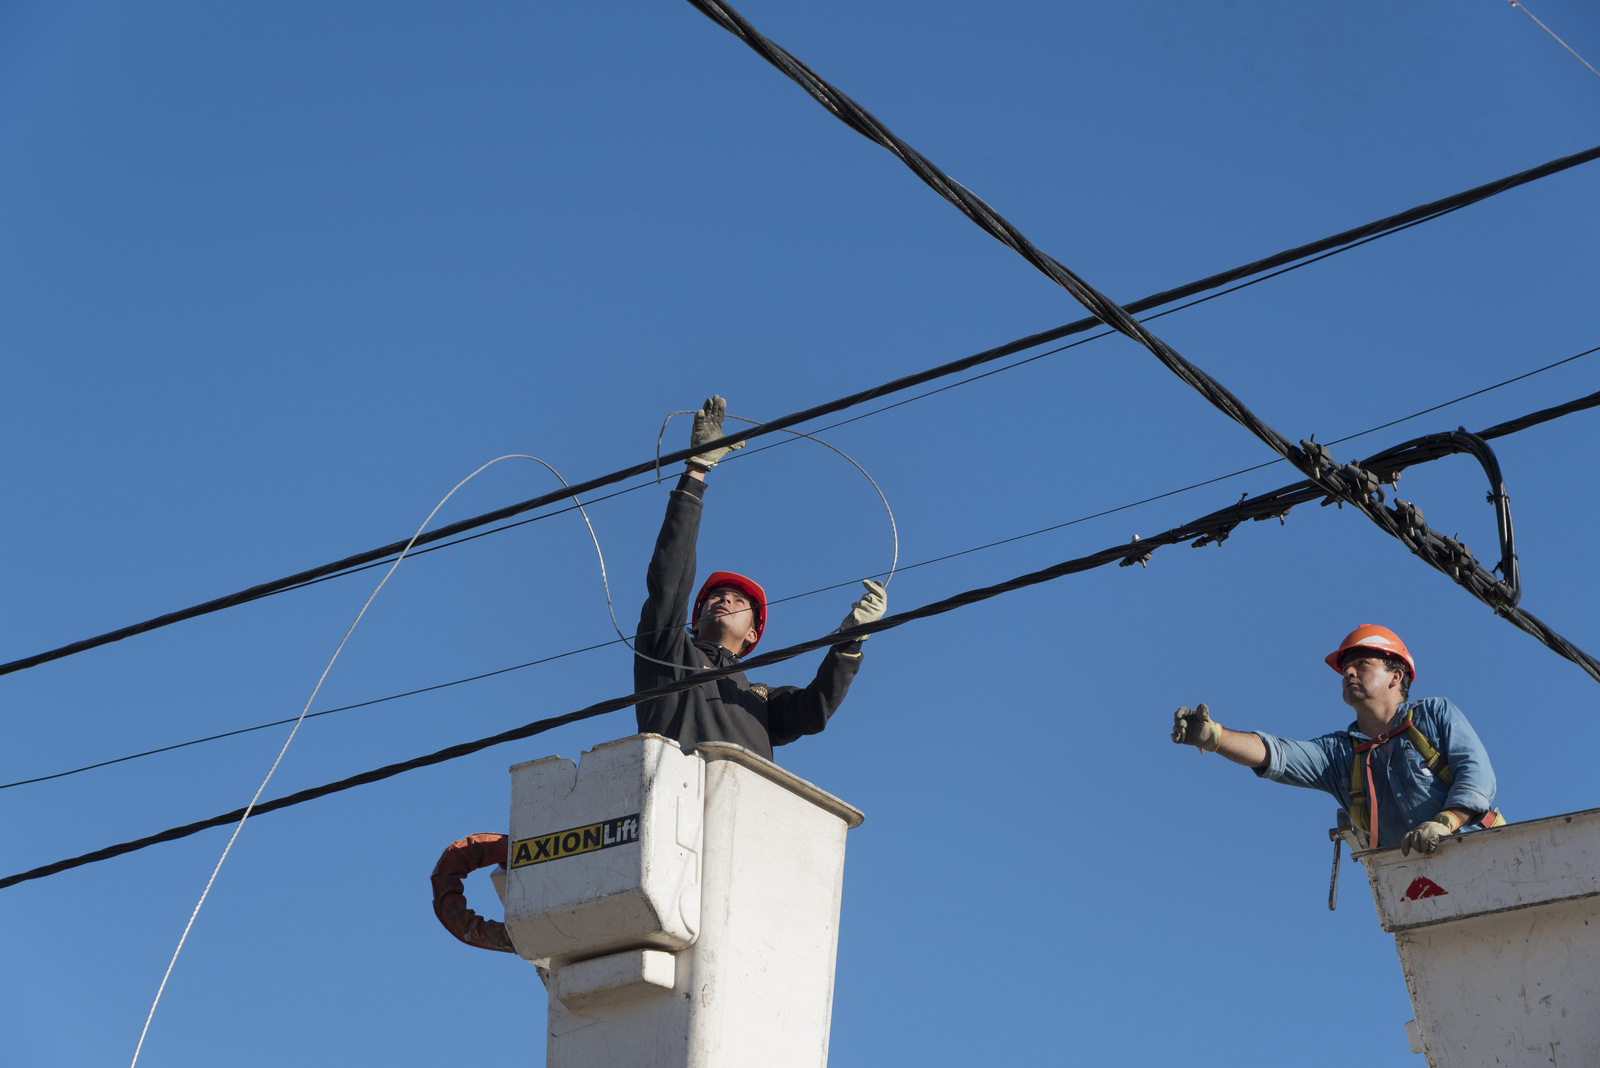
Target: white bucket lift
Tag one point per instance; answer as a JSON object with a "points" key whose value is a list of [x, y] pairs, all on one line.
{"points": [[686, 905], [1499, 937]]}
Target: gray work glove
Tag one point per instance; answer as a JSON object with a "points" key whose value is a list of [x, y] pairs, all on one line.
{"points": [[708, 427], [870, 608], [1194, 726], [1425, 837]]}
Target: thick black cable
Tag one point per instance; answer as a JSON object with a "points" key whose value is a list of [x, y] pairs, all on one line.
{"points": [[1349, 483], [997, 226], [1398, 221], [1209, 529], [1500, 430], [1119, 318]]}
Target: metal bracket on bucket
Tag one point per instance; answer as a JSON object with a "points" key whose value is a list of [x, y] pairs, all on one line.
{"points": [[1337, 835]]}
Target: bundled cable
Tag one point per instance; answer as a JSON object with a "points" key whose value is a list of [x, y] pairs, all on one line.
{"points": [[1349, 483]]}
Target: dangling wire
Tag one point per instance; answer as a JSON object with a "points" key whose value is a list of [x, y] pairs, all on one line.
{"points": [[295, 729], [1524, 9], [324, 678]]}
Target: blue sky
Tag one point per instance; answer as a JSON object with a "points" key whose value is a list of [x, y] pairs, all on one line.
{"points": [[272, 281]]}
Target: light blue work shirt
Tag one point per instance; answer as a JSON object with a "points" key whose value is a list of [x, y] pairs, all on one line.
{"points": [[1407, 792]]}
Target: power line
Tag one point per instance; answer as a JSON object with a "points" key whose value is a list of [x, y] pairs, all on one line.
{"points": [[1209, 529], [1351, 484], [1086, 323], [1108, 311], [1351, 238], [1493, 432]]}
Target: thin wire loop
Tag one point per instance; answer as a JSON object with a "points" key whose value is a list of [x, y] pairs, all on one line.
{"points": [[894, 529]]}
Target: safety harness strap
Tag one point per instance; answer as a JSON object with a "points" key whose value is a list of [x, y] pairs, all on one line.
{"points": [[1361, 813], [1435, 763], [1361, 777]]}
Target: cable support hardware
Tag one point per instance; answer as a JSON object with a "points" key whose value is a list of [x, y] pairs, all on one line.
{"points": [[1349, 484], [1274, 504], [1409, 514], [372, 557]]}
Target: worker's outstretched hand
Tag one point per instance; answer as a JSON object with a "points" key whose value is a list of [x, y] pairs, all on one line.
{"points": [[708, 427], [1194, 726], [870, 608]]}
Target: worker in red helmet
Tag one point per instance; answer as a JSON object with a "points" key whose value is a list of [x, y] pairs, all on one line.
{"points": [[726, 619], [1410, 772]]}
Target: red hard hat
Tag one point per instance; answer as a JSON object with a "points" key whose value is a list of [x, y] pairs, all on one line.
{"points": [[1380, 640], [749, 587]]}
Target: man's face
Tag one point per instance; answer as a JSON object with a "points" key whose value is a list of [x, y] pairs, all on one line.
{"points": [[727, 614], [1365, 676]]}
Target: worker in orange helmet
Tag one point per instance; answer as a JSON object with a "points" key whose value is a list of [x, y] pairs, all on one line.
{"points": [[1410, 772], [727, 619]]}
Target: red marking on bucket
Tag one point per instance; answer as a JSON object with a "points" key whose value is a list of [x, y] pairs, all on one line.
{"points": [[1421, 887]]}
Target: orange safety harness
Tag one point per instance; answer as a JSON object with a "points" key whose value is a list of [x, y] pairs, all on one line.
{"points": [[1361, 787]]}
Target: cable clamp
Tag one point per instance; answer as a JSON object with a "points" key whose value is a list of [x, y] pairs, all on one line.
{"points": [[1142, 559], [1409, 515], [1215, 537], [1318, 455], [1500, 596], [1363, 483], [1458, 557]]}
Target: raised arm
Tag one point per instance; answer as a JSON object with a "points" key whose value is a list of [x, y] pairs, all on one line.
{"points": [[1194, 726], [669, 581], [793, 712]]}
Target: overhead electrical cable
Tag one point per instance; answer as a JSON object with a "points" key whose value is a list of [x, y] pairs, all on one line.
{"points": [[1209, 529], [1351, 238], [1348, 483], [1494, 432], [744, 455]]}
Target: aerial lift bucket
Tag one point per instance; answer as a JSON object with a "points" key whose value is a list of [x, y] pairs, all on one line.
{"points": [[683, 907], [1499, 937]]}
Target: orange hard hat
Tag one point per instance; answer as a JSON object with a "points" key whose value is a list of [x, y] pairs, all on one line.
{"points": [[1378, 639], [749, 587]]}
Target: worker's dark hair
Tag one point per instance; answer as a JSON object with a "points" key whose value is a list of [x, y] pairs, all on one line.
{"points": [[1394, 663]]}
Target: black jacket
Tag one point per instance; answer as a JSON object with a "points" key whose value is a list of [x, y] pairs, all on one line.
{"points": [[730, 709]]}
